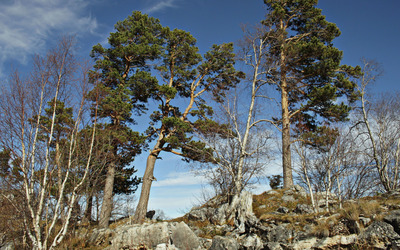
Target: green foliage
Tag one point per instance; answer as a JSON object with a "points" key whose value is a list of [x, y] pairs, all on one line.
{"points": [[5, 158], [322, 138], [129, 143], [122, 85], [300, 39], [125, 80]]}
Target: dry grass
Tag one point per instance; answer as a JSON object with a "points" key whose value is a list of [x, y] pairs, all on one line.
{"points": [[265, 206], [363, 207]]}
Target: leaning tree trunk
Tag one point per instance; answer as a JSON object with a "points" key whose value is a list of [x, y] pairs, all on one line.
{"points": [[107, 205], [147, 180]]}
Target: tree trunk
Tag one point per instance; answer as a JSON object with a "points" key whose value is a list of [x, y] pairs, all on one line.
{"points": [[286, 153], [88, 213], [107, 205], [148, 178]]}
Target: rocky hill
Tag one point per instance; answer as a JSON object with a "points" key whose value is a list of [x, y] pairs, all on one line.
{"points": [[277, 219]]}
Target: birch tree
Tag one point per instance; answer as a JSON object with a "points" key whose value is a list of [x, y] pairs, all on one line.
{"points": [[23, 104], [380, 125], [241, 151]]}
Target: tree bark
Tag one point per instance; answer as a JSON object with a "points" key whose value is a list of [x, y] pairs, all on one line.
{"points": [[88, 213], [148, 178], [286, 153], [107, 205]]}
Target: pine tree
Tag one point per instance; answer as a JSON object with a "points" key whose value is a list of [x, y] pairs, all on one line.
{"points": [[308, 73], [120, 73], [183, 75], [186, 76]]}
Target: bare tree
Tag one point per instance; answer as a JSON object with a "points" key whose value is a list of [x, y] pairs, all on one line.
{"points": [[23, 105], [339, 167], [379, 127], [241, 152]]}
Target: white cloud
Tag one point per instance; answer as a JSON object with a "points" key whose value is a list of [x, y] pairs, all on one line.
{"points": [[180, 179], [159, 5], [26, 26]]}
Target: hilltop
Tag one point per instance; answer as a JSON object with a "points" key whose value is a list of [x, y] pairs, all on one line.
{"points": [[275, 219]]}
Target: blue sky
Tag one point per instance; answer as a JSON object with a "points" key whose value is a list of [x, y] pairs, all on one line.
{"points": [[370, 29]]}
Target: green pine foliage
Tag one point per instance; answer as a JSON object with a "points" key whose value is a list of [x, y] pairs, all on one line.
{"points": [[128, 81], [316, 79], [301, 42]]}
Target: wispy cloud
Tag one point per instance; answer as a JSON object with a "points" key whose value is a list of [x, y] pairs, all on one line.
{"points": [[180, 179], [27, 25], [160, 5]]}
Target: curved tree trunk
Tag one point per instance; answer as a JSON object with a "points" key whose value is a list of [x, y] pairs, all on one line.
{"points": [[107, 205], [148, 178]]}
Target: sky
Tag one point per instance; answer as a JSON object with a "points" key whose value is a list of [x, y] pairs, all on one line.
{"points": [[370, 29]]}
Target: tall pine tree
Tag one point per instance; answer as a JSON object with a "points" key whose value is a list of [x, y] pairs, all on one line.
{"points": [[121, 71], [186, 75], [308, 73]]}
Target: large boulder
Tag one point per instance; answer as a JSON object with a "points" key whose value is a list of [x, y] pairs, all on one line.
{"points": [[183, 237], [161, 235], [393, 218], [146, 235], [380, 235]]}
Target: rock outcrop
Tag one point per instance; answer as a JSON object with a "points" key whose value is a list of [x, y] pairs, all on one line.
{"points": [[147, 236], [290, 224]]}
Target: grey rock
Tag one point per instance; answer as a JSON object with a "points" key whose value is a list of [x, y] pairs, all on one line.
{"points": [[273, 246], [206, 243], [162, 235], [364, 221], [393, 218], [239, 210], [165, 246], [280, 234], [283, 210], [183, 237], [7, 246], [219, 215], [149, 235], [380, 235], [336, 242], [303, 209], [100, 236], [223, 243], [295, 190], [288, 198], [200, 214], [252, 242]]}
